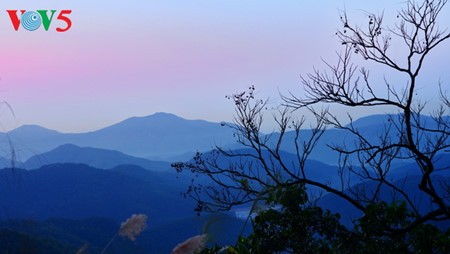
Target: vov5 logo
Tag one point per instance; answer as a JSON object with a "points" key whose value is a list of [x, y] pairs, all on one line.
{"points": [[32, 20]]}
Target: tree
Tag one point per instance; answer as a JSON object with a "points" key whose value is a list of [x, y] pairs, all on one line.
{"points": [[262, 168]]}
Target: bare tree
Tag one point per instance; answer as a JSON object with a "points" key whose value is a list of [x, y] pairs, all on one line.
{"points": [[351, 86], [253, 172]]}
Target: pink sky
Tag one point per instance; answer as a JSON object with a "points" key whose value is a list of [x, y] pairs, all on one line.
{"points": [[123, 59]]}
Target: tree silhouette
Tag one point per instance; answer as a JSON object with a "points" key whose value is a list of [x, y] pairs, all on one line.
{"points": [[260, 169]]}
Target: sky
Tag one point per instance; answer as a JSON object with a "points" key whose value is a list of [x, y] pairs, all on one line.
{"points": [[134, 58]]}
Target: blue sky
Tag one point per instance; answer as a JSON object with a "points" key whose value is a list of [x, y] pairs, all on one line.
{"points": [[135, 58]]}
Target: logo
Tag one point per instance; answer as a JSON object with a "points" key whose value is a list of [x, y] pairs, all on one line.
{"points": [[33, 20]]}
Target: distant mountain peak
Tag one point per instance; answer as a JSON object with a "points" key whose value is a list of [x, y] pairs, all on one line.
{"points": [[156, 117], [32, 128], [68, 147], [163, 114], [371, 120]]}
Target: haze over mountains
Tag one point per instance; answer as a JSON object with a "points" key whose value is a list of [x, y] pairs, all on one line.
{"points": [[122, 169], [166, 137], [158, 136], [94, 157]]}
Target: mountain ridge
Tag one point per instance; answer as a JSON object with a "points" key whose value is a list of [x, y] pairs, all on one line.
{"points": [[169, 137], [160, 135], [94, 157]]}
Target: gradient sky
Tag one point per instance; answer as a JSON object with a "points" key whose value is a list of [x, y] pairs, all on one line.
{"points": [[135, 58]]}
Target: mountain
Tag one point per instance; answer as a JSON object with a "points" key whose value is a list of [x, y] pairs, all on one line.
{"points": [[409, 184], [167, 137], [30, 131], [246, 160], [160, 135], [94, 157], [17, 242], [77, 191], [8, 163], [90, 203], [371, 127], [62, 236], [406, 177], [28, 140]]}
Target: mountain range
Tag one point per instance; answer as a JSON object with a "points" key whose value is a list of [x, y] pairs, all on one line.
{"points": [[158, 136], [167, 137], [123, 169], [77, 191], [94, 157], [63, 206]]}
